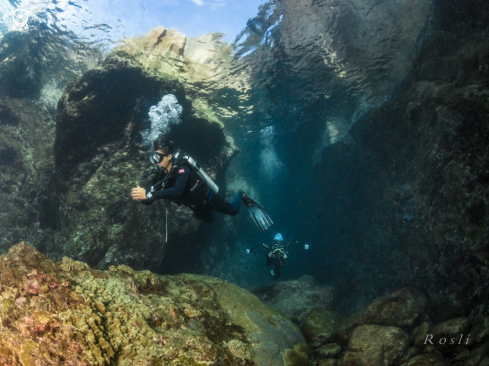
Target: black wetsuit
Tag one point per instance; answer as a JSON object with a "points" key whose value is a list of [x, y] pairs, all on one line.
{"points": [[277, 255], [185, 186]]}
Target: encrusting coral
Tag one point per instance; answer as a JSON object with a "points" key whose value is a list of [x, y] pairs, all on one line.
{"points": [[64, 313], [69, 264]]}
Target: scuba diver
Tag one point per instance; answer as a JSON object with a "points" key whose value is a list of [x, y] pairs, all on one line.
{"points": [[277, 253], [181, 180]]}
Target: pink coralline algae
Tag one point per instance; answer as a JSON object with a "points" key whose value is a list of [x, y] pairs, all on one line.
{"points": [[32, 287]]}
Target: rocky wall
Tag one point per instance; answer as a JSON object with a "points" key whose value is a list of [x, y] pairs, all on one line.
{"points": [[100, 155], [406, 194], [35, 67]]}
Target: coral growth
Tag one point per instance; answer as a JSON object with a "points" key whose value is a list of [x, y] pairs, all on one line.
{"points": [[125, 269], [64, 313], [69, 264]]}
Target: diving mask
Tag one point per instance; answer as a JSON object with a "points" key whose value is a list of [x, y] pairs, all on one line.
{"points": [[157, 158]]}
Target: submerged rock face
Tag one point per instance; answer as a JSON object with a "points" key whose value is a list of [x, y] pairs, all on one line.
{"points": [[296, 299], [417, 167], [100, 156], [55, 312], [35, 68], [26, 173]]}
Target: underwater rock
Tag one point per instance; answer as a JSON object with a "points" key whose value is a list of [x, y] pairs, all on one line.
{"points": [[477, 354], [410, 353], [375, 345], [400, 309], [26, 172], [49, 315], [99, 155], [328, 362], [20, 69], [36, 66], [320, 325], [480, 331], [195, 62], [425, 149], [328, 350], [451, 329], [419, 334], [428, 359], [164, 42], [297, 298]]}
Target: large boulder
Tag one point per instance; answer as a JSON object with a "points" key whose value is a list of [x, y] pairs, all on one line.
{"points": [[51, 312], [297, 298], [320, 325], [401, 309], [451, 328], [100, 156], [374, 345]]}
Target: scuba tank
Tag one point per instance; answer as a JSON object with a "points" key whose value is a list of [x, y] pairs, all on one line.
{"points": [[193, 164], [210, 183]]}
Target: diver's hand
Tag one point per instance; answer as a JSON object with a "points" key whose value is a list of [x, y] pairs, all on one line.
{"points": [[138, 193]]}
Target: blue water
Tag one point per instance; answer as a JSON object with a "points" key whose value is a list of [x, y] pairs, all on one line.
{"points": [[312, 71]]}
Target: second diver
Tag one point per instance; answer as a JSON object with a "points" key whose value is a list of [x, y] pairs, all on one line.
{"points": [[277, 253]]}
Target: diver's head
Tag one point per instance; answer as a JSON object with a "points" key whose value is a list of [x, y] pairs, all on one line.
{"points": [[278, 237], [163, 154]]}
